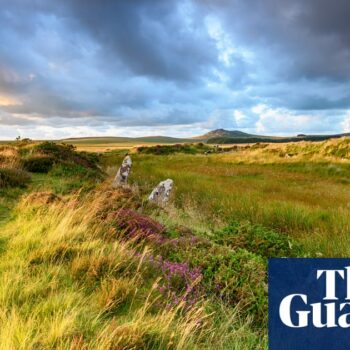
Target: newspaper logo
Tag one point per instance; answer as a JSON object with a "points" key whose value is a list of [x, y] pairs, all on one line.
{"points": [[309, 304]]}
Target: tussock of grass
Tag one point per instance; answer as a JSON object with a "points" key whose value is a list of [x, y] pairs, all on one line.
{"points": [[9, 157], [11, 177]]}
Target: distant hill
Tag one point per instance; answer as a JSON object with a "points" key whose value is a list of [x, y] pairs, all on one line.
{"points": [[248, 138], [146, 139], [224, 133], [231, 134], [218, 136]]}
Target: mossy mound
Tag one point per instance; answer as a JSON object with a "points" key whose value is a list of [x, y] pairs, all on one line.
{"points": [[60, 160]]}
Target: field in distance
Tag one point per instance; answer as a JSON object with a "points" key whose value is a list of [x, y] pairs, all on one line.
{"points": [[101, 144]]}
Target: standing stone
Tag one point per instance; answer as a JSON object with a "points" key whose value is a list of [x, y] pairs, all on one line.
{"points": [[161, 194], [121, 178]]}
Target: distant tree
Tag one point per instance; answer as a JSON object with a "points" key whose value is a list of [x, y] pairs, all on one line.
{"points": [[22, 142]]}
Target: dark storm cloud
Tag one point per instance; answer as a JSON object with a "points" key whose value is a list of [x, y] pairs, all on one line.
{"points": [[302, 39], [150, 37], [102, 59], [195, 63]]}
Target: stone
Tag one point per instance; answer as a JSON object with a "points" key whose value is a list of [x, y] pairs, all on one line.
{"points": [[161, 194], [121, 179]]}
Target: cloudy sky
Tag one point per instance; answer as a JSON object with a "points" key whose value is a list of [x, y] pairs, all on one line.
{"points": [[174, 67]]}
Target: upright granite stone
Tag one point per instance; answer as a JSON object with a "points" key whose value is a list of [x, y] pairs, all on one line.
{"points": [[161, 194], [121, 178]]}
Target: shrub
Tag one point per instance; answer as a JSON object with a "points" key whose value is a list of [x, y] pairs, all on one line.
{"points": [[38, 163], [132, 225], [67, 153], [58, 151], [258, 240], [67, 169], [177, 148], [179, 284], [13, 177], [238, 277], [234, 276], [63, 160]]}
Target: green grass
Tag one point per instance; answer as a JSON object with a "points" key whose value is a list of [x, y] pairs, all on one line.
{"points": [[308, 200]]}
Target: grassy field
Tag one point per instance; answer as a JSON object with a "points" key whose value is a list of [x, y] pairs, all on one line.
{"points": [[86, 266], [299, 189]]}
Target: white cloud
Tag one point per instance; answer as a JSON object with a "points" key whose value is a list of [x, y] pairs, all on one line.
{"points": [[345, 124], [281, 121]]}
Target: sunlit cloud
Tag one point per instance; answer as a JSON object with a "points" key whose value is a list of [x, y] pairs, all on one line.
{"points": [[9, 101]]}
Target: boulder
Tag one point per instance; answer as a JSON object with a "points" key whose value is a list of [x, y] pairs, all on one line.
{"points": [[121, 178], [161, 194]]}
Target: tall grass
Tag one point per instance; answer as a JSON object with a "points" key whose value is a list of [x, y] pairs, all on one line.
{"points": [[66, 283]]}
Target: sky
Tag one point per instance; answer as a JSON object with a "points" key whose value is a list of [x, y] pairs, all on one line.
{"points": [[72, 68]]}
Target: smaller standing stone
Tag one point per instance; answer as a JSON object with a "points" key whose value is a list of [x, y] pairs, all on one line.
{"points": [[161, 194], [121, 178]]}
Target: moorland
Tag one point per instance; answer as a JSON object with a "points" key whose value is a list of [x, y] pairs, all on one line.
{"points": [[87, 266]]}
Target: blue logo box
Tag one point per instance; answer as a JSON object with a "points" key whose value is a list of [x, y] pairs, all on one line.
{"points": [[309, 304]]}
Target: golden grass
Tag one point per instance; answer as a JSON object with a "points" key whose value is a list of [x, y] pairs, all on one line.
{"points": [[9, 157], [107, 147], [64, 286]]}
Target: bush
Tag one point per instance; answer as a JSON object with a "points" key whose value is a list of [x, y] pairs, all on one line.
{"points": [[236, 276], [67, 169], [38, 163], [60, 160], [133, 225], [177, 148], [67, 153], [58, 151], [258, 240], [13, 178]]}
